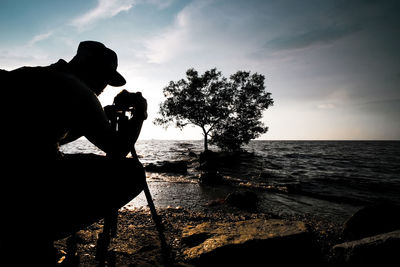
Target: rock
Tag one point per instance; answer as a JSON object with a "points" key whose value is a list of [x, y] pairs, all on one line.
{"points": [[244, 200], [168, 166], [216, 202], [247, 243], [85, 236], [192, 154], [211, 178], [207, 155], [379, 250], [372, 220], [209, 161]]}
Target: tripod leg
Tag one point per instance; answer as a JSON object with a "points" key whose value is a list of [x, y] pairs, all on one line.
{"points": [[102, 247], [157, 220], [109, 230]]}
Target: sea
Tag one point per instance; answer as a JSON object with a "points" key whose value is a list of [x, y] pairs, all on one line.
{"points": [[326, 179]]}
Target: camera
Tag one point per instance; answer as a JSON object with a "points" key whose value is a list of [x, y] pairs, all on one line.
{"points": [[122, 108], [126, 101]]}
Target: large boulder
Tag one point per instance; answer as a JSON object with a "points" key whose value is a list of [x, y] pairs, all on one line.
{"points": [[254, 242], [379, 250], [372, 220]]}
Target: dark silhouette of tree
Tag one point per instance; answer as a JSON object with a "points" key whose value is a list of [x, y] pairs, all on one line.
{"points": [[228, 111], [249, 100]]}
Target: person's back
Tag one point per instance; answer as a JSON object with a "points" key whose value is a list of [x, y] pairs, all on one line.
{"points": [[46, 196], [41, 105]]}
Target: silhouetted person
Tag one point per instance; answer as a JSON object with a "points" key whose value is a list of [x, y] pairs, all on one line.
{"points": [[47, 195]]}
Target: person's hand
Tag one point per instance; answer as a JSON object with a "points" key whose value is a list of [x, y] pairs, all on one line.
{"points": [[140, 106], [110, 111]]}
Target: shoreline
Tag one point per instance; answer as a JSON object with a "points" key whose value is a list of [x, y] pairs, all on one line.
{"points": [[185, 203], [194, 203], [189, 193]]}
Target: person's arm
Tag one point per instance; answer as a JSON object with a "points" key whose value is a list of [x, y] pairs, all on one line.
{"points": [[136, 121], [96, 128]]}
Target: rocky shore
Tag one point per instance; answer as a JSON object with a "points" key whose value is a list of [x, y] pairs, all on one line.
{"points": [[232, 231], [223, 235]]}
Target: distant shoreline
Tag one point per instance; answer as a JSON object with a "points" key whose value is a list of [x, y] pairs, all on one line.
{"points": [[286, 140]]}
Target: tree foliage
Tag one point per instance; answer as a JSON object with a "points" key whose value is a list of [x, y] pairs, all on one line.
{"points": [[227, 111], [248, 101]]}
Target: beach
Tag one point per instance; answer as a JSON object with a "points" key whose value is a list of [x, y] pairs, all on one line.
{"points": [[137, 242], [282, 183]]}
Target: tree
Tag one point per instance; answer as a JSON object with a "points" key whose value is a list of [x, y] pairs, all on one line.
{"points": [[249, 100], [199, 100], [227, 111]]}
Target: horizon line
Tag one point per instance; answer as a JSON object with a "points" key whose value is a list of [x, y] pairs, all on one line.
{"points": [[280, 140]]}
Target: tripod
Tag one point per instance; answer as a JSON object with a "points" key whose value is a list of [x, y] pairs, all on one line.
{"points": [[110, 230], [117, 116]]}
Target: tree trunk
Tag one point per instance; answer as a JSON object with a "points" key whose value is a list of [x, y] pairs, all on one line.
{"points": [[205, 139]]}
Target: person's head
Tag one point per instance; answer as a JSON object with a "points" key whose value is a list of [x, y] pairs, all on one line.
{"points": [[96, 65]]}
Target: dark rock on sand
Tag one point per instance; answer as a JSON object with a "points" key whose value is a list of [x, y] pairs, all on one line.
{"points": [[192, 154], [207, 155], [208, 161], [379, 250], [211, 178], [372, 220], [244, 200], [168, 167], [248, 243]]}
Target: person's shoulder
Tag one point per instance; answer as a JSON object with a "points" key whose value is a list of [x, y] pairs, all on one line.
{"points": [[70, 81], [76, 91], [61, 77], [43, 75]]}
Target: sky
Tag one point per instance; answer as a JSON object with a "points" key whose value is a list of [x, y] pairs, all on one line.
{"points": [[332, 66]]}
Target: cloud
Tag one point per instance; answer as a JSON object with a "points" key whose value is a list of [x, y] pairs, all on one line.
{"points": [[324, 22], [38, 38], [104, 9], [22, 56], [29, 53], [166, 45], [202, 28], [388, 107], [326, 106], [308, 38], [160, 4]]}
